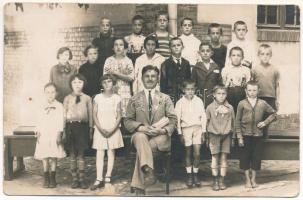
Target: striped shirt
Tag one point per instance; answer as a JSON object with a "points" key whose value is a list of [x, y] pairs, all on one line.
{"points": [[163, 41]]}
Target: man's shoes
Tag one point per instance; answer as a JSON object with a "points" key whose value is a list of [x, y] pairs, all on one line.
{"points": [[221, 183], [149, 176], [196, 180], [97, 184], [75, 184], [139, 192], [83, 185], [189, 181], [216, 186]]}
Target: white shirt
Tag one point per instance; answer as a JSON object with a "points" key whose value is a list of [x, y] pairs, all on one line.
{"points": [[141, 62], [207, 65], [234, 75], [191, 48], [190, 112], [176, 59], [252, 101], [146, 91]]}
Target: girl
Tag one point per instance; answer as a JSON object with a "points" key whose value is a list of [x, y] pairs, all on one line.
{"points": [[50, 126], [61, 73], [220, 123], [91, 70], [162, 34], [121, 67], [235, 76], [78, 127], [107, 136]]}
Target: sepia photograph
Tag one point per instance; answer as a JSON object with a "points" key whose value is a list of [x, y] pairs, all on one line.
{"points": [[151, 99]]}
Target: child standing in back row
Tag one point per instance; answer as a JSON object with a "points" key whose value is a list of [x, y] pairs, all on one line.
{"points": [[162, 34], [107, 135], [249, 128], [220, 126]]}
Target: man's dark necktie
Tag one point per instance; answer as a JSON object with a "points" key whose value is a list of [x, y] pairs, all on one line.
{"points": [[178, 63], [150, 104]]}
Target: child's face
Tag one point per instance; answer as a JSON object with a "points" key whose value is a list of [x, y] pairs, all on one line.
{"points": [[92, 55], [252, 91], [162, 22], [205, 52], [215, 34], [265, 55], [119, 47], [105, 26], [240, 31], [236, 57], [189, 91], [187, 27], [220, 95], [50, 93], [137, 26], [64, 57], [107, 85], [150, 47], [77, 85], [176, 47]]}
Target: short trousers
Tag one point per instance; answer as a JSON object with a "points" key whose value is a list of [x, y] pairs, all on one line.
{"points": [[251, 153], [219, 143], [77, 135], [192, 135]]}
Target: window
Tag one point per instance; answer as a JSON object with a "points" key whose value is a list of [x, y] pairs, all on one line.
{"points": [[280, 17]]}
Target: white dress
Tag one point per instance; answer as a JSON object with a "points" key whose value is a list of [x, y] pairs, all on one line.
{"points": [[50, 125], [107, 115]]}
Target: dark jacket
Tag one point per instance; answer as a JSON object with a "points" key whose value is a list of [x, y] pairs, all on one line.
{"points": [[206, 80], [172, 77]]}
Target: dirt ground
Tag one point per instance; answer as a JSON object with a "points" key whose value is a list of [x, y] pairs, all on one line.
{"points": [[277, 179]]}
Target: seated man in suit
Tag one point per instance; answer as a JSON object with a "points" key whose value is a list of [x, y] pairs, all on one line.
{"points": [[151, 118]]}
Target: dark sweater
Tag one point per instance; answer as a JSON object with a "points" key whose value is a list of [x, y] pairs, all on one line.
{"points": [[219, 56], [105, 46]]}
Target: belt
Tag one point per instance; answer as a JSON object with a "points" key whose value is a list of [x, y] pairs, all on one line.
{"points": [[77, 121]]}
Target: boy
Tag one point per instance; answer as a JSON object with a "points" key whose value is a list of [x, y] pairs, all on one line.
{"points": [[267, 76], [215, 32], [206, 73], [240, 31], [105, 41], [136, 39], [162, 34], [191, 126], [220, 123], [249, 129], [191, 43], [174, 71], [149, 58]]}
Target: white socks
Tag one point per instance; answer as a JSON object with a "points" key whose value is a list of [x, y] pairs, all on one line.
{"points": [[191, 169]]}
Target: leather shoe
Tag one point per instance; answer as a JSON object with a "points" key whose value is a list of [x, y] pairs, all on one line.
{"points": [[149, 177], [139, 192]]}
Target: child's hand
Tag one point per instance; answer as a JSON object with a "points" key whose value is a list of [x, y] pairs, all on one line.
{"points": [[91, 132], [58, 141], [261, 124], [182, 139], [63, 136], [240, 142], [203, 138]]}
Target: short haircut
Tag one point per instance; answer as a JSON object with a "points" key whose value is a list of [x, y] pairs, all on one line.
{"points": [[62, 50], [137, 17], [214, 25], [189, 19], [236, 48], [187, 82], [253, 83], [106, 77], [105, 18], [78, 76], [124, 42], [239, 23], [88, 48], [161, 12], [50, 85], [174, 39], [153, 38], [150, 67], [219, 87], [265, 46], [206, 44]]}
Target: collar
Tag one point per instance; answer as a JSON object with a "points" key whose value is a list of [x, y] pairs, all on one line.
{"points": [[175, 59], [146, 92], [74, 95], [185, 99], [251, 100], [188, 36], [156, 55], [64, 68], [225, 103]]}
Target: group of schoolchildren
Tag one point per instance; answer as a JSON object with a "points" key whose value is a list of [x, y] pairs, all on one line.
{"points": [[221, 98]]}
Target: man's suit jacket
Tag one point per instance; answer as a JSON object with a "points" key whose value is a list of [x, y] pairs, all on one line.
{"points": [[137, 114]]}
